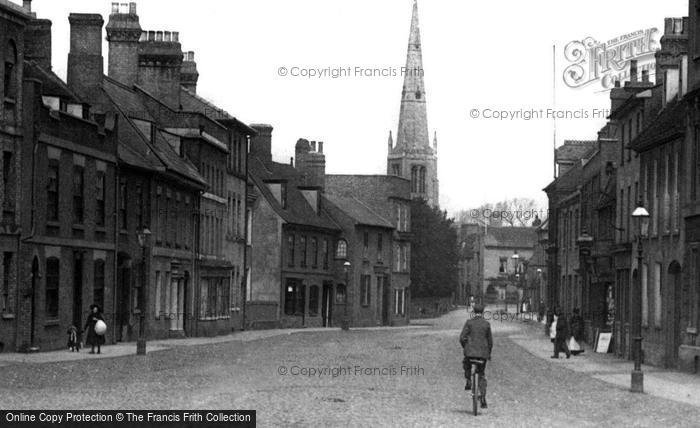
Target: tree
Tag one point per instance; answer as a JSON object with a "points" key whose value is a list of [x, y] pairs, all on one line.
{"points": [[434, 253], [515, 212]]}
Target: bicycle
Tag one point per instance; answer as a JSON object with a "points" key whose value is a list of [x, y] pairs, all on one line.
{"points": [[474, 364]]}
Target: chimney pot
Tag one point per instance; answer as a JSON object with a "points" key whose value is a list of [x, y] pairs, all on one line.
{"points": [[27, 5], [124, 8], [176, 36], [313, 146], [617, 83], [132, 8], [291, 161], [151, 36], [144, 36], [159, 36], [167, 36], [320, 146], [115, 8], [190, 55], [645, 76]]}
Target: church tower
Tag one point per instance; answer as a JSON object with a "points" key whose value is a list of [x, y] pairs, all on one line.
{"points": [[413, 157]]}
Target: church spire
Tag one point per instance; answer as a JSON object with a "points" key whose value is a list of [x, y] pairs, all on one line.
{"points": [[413, 118]]}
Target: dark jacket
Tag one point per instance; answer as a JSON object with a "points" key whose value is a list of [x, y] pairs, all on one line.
{"points": [[476, 338], [562, 328], [93, 339]]}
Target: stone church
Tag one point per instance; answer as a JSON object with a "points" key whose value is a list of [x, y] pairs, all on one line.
{"points": [[413, 157]]}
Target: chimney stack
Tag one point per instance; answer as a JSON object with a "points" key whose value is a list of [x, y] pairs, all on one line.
{"points": [[311, 164], [645, 76], [27, 5], [123, 34], [320, 146], [37, 36], [633, 71], [189, 74], [85, 63], [160, 66], [261, 144]]}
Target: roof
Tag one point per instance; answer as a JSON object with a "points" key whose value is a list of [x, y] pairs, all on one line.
{"points": [[358, 211], [568, 180], [51, 84], [573, 150], [513, 237], [297, 210], [156, 154], [190, 101], [669, 124]]}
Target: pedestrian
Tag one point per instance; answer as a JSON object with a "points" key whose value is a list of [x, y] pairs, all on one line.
{"points": [[541, 311], [550, 320], [577, 327], [561, 335], [93, 339]]}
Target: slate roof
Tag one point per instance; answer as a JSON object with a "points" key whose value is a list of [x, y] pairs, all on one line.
{"points": [[51, 84], [158, 154], [298, 211], [358, 211], [190, 101], [668, 125], [514, 237], [573, 150]]}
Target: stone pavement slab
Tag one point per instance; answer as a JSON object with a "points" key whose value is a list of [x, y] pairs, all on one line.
{"points": [[658, 382]]}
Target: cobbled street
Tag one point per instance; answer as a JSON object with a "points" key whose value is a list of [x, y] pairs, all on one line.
{"points": [[524, 389]]}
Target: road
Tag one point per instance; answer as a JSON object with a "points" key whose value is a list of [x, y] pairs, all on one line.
{"points": [[275, 377]]}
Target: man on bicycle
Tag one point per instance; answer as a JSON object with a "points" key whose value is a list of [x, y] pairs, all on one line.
{"points": [[477, 342]]}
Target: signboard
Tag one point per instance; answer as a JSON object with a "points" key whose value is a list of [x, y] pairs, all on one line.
{"points": [[602, 343]]}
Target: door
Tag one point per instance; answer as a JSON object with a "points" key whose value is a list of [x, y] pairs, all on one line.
{"points": [[673, 338], [78, 290], [386, 302], [326, 304], [35, 278], [123, 289]]}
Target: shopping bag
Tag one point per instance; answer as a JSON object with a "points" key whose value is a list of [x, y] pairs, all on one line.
{"points": [[553, 329], [573, 345]]}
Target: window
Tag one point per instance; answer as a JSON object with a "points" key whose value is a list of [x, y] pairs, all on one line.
{"points": [[325, 254], [380, 247], [78, 194], [399, 298], [290, 251], [283, 195], [365, 246], [122, 205], [396, 170], [98, 293], [314, 252], [365, 286], [294, 298], [52, 191], [138, 287], [139, 206], [342, 250], [414, 179], [503, 265], [622, 145], [313, 300], [421, 180], [304, 250], [8, 170], [52, 284], [10, 85], [100, 199], [6, 272], [340, 294], [657, 295]]}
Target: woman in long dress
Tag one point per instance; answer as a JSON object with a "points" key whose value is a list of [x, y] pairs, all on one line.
{"points": [[93, 339]]}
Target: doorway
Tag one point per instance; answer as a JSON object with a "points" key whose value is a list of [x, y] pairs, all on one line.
{"points": [[35, 279], [78, 290], [326, 304], [673, 312], [122, 295]]}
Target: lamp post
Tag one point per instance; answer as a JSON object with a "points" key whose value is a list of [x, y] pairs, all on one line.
{"points": [[345, 324], [143, 235], [641, 218]]}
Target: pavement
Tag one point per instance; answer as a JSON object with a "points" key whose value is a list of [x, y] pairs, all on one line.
{"points": [[363, 377]]}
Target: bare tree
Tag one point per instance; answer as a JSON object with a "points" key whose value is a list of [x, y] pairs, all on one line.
{"points": [[514, 212]]}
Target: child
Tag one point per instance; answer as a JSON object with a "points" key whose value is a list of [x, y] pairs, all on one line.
{"points": [[73, 339]]}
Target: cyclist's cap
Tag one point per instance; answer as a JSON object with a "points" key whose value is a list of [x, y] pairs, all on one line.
{"points": [[479, 308]]}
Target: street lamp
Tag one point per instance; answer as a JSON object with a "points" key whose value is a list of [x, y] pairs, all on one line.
{"points": [[641, 218], [143, 236], [345, 324]]}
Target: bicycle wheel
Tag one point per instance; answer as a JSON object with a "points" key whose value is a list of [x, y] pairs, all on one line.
{"points": [[475, 391]]}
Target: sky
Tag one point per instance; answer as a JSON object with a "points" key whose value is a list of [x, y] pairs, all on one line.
{"points": [[479, 58]]}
